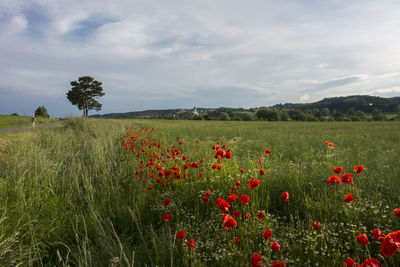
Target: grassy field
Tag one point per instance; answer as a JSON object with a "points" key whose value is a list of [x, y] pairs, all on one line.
{"points": [[7, 121], [93, 193]]}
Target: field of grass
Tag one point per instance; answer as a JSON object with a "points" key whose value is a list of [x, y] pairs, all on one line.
{"points": [[93, 193], [7, 121]]}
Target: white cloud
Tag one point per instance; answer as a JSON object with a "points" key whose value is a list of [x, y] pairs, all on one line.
{"points": [[273, 51]]}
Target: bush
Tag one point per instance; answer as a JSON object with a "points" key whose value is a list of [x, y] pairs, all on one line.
{"points": [[41, 112]]}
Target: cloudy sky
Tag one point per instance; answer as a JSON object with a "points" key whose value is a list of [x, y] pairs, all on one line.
{"points": [[207, 53]]}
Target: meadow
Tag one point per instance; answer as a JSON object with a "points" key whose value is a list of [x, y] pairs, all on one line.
{"points": [[96, 192], [7, 121]]}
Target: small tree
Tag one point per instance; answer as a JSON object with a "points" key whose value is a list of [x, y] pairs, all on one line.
{"points": [[41, 112], [85, 93]]}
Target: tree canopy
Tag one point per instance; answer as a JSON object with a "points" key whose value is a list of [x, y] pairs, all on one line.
{"points": [[85, 93], [41, 112]]}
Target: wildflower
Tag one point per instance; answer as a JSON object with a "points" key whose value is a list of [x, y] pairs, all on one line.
{"points": [[276, 247], [260, 160], [166, 217], [363, 239], [166, 202], [267, 234], [237, 183], [365, 135], [277, 263], [241, 170], [317, 132], [267, 151], [371, 263], [331, 145], [351, 263], [244, 199], [262, 172], [261, 215], [256, 260], [236, 240], [285, 196], [359, 169], [396, 212], [337, 170], [150, 188], [315, 225], [229, 222], [180, 235], [349, 198], [247, 215], [333, 180], [222, 205], [391, 244], [236, 214], [232, 198], [346, 178], [377, 235], [166, 184], [254, 183], [191, 243], [208, 192], [206, 199]]}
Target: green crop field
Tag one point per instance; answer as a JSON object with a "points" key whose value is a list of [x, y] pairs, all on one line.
{"points": [[98, 192], [7, 121]]}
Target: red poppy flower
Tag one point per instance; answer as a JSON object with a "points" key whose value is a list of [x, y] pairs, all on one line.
{"points": [[260, 160], [277, 263], [222, 205], [166, 202], [396, 212], [197, 141], [326, 142], [331, 145], [337, 170], [256, 260], [236, 240], [229, 222], [351, 263], [349, 198], [333, 180], [237, 183], [241, 170], [166, 184], [244, 199], [267, 151], [232, 198], [261, 215], [363, 239], [391, 244], [206, 199], [377, 235], [262, 172], [346, 178], [236, 214], [166, 217], [191, 243], [276, 247], [247, 215], [364, 135], [150, 188], [195, 165], [315, 225], [180, 235], [317, 132], [267, 234], [254, 183], [208, 192], [371, 263], [358, 169], [285, 196]]}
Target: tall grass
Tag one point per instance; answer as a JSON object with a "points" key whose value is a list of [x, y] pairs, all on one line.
{"points": [[69, 195]]}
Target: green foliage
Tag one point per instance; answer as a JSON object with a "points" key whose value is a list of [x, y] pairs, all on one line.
{"points": [[70, 197], [41, 112], [85, 93], [224, 116]]}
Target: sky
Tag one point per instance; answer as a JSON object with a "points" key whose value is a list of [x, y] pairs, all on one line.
{"points": [[205, 53]]}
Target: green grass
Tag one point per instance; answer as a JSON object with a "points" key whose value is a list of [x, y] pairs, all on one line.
{"points": [[7, 121], [71, 196]]}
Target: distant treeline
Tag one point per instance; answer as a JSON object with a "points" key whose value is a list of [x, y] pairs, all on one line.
{"points": [[351, 108]]}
